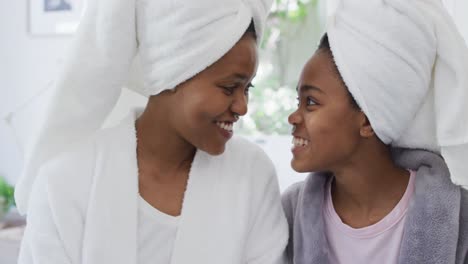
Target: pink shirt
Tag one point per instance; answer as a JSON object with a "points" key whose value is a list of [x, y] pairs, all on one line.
{"points": [[378, 243]]}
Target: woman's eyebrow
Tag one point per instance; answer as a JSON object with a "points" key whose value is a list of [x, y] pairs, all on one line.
{"points": [[238, 77]]}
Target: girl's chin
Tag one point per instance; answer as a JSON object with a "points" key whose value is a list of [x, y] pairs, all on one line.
{"points": [[297, 166], [303, 166]]}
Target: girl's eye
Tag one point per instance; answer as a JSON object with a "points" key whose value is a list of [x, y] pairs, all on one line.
{"points": [[310, 101]]}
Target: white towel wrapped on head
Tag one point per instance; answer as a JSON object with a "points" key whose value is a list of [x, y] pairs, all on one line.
{"points": [[407, 67]]}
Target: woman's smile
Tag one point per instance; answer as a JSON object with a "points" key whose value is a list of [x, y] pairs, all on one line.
{"points": [[225, 128]]}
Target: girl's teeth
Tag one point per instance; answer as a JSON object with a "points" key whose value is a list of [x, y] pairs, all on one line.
{"points": [[300, 142]]}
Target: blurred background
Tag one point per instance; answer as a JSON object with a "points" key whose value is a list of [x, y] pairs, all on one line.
{"points": [[35, 35]]}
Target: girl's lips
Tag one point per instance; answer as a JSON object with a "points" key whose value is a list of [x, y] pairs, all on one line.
{"points": [[296, 150], [299, 144]]}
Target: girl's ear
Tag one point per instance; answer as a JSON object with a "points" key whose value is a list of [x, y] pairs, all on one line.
{"points": [[366, 129]]}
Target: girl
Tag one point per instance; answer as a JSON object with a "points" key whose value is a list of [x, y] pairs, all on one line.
{"points": [[382, 123]]}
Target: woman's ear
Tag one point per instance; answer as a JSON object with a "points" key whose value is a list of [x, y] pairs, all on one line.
{"points": [[366, 129]]}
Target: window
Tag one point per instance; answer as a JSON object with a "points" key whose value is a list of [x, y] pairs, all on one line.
{"points": [[293, 31]]}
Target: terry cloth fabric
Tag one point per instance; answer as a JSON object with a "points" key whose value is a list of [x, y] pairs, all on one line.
{"points": [[407, 67]]}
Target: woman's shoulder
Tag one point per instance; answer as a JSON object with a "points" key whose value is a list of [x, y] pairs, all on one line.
{"points": [[70, 174], [242, 144], [73, 168], [243, 151], [247, 162], [77, 160], [77, 157], [70, 171]]}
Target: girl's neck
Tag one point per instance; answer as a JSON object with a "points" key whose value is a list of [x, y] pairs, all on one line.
{"points": [[368, 188]]}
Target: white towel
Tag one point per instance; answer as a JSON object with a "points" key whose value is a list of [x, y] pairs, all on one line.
{"points": [[175, 40], [407, 67]]}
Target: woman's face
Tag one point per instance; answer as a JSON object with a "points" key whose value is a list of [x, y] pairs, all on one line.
{"points": [[326, 124], [209, 104]]}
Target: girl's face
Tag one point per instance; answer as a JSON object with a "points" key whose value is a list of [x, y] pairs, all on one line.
{"points": [[326, 124], [207, 106]]}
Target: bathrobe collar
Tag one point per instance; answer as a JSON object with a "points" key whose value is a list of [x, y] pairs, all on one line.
{"points": [[432, 221], [110, 234]]}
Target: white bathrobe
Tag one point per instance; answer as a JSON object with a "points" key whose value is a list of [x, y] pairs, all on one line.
{"points": [[84, 206]]}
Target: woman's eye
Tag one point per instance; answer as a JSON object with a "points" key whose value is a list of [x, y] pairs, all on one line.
{"points": [[228, 89], [247, 89]]}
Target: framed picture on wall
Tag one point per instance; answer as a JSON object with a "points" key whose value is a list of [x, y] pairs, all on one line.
{"points": [[54, 17]]}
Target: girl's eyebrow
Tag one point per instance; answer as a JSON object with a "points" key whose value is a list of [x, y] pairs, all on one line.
{"points": [[306, 87]]}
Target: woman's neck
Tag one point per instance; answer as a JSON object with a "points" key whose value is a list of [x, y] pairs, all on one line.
{"points": [[368, 187], [161, 152]]}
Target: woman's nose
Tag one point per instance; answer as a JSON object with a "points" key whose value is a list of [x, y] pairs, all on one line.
{"points": [[239, 105]]}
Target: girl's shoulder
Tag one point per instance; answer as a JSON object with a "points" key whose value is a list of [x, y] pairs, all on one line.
{"points": [[308, 193], [462, 248], [464, 212], [290, 199]]}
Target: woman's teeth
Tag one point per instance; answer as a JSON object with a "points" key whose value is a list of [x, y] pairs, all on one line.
{"points": [[300, 142], [225, 125]]}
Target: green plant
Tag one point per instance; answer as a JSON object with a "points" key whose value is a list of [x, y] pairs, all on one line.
{"points": [[6, 195]]}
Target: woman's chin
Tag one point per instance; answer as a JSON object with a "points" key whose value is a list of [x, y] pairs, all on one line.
{"points": [[215, 150]]}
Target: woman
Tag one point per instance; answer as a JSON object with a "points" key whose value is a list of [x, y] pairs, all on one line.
{"points": [[168, 184], [374, 126]]}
